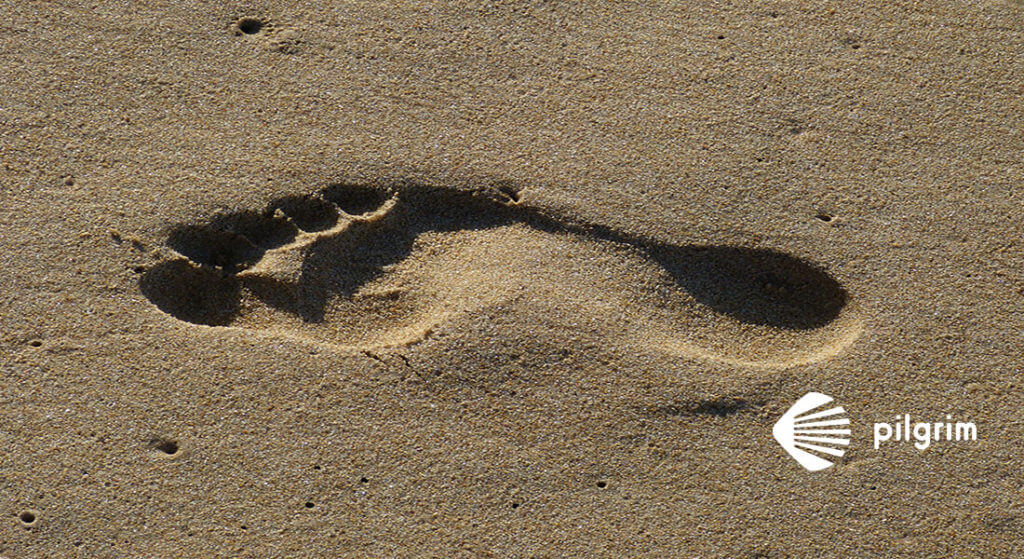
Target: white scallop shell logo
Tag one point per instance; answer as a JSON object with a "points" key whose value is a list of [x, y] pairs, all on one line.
{"points": [[802, 432]]}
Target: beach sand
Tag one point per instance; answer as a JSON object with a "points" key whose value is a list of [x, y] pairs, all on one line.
{"points": [[507, 279]]}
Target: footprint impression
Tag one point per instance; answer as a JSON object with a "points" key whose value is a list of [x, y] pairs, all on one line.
{"points": [[367, 267]]}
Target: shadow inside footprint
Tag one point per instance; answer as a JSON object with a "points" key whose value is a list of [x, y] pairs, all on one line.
{"points": [[755, 286], [354, 199], [234, 241], [196, 294], [347, 241], [308, 213]]}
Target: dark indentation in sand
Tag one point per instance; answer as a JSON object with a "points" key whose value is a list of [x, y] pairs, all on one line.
{"points": [[355, 199], [753, 286], [197, 294], [28, 517], [714, 407], [309, 213], [262, 230], [756, 286], [207, 245], [508, 192], [163, 445], [249, 25], [232, 242]]}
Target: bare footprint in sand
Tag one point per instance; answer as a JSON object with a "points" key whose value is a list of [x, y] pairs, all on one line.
{"points": [[364, 267]]}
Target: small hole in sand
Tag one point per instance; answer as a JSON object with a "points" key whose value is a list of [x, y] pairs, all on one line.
{"points": [[250, 25], [720, 37], [509, 192], [855, 46], [515, 505], [165, 446], [602, 484], [139, 269], [27, 517], [363, 480], [826, 217], [310, 504], [36, 343]]}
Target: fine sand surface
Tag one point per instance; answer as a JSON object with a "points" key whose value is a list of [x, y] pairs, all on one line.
{"points": [[507, 279]]}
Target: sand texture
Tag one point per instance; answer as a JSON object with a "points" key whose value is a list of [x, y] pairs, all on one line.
{"points": [[507, 279]]}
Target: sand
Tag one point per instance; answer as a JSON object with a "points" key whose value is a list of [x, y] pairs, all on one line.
{"points": [[507, 279]]}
